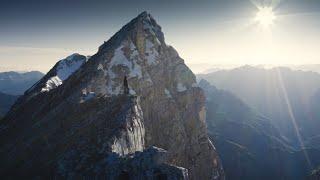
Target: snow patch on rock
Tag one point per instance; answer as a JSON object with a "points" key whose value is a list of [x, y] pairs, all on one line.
{"points": [[167, 92], [195, 85], [64, 69], [148, 78], [119, 59], [132, 92], [181, 87], [100, 67], [52, 83], [147, 25], [68, 66], [134, 51], [89, 96], [151, 53]]}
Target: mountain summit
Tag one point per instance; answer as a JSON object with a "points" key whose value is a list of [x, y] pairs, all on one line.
{"points": [[77, 128]]}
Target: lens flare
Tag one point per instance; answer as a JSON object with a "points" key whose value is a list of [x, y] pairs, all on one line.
{"points": [[293, 119], [265, 16]]}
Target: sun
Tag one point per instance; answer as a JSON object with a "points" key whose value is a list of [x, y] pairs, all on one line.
{"points": [[265, 16]]}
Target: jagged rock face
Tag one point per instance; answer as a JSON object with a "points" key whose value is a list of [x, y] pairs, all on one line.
{"points": [[173, 106], [105, 142], [174, 110], [150, 164], [315, 175], [67, 141]]}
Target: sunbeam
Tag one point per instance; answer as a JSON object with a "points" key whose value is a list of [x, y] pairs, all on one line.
{"points": [[292, 117]]}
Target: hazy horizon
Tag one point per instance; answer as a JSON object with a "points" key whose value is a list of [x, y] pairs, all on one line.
{"points": [[239, 100], [37, 34]]}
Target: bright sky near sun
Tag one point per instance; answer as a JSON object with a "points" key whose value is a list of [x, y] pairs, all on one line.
{"points": [[266, 38], [34, 36]]}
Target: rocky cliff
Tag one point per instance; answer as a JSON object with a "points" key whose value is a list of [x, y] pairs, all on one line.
{"points": [[315, 175], [99, 143], [77, 116]]}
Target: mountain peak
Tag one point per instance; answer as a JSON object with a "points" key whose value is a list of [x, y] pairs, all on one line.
{"points": [[72, 56], [145, 18], [138, 61], [137, 30], [144, 15], [59, 73]]}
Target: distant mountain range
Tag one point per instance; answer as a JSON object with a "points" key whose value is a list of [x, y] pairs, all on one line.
{"points": [[285, 96], [210, 68], [284, 99], [16, 83], [135, 110], [250, 147], [13, 84], [307, 67], [6, 101], [250, 144]]}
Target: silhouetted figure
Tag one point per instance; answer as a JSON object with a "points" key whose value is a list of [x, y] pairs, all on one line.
{"points": [[125, 85]]}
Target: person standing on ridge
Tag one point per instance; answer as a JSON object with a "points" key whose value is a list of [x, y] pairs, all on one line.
{"points": [[125, 85]]}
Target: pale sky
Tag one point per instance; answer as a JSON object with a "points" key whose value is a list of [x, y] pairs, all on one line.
{"points": [[35, 34]]}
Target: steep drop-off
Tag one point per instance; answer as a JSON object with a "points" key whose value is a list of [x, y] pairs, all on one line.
{"points": [[172, 104]]}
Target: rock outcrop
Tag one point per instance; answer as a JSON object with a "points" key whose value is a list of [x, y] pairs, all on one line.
{"points": [[149, 164], [315, 175], [99, 143], [172, 105]]}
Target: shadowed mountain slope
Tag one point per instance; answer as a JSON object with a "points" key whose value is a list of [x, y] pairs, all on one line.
{"points": [[135, 58]]}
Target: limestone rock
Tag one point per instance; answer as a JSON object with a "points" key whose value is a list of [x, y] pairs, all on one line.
{"points": [[149, 164], [172, 105]]}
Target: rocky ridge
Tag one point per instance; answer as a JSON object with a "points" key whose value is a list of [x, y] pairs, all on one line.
{"points": [[172, 111]]}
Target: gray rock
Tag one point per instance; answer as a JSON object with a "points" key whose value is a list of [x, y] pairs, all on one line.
{"points": [[172, 105], [315, 175], [149, 164]]}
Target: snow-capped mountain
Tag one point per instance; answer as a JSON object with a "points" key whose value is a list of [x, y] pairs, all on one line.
{"points": [[59, 73], [53, 115], [63, 70]]}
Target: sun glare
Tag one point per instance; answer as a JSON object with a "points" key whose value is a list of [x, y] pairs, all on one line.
{"points": [[265, 16]]}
